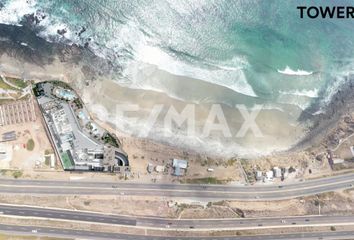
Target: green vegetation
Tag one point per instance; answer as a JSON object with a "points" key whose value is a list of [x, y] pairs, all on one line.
{"points": [[183, 206], [67, 163], [208, 180], [78, 103], [47, 160], [4, 101], [6, 86], [61, 84], [249, 170], [17, 174], [17, 82], [30, 145], [110, 139], [48, 151], [36, 92], [231, 162]]}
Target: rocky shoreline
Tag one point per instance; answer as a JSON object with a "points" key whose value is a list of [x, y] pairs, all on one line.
{"points": [[21, 43], [326, 129]]}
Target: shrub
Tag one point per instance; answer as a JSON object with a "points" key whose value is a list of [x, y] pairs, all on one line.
{"points": [[17, 174], [30, 145]]}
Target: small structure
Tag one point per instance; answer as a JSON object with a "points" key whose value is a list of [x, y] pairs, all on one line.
{"points": [[150, 168], [259, 175], [269, 176], [277, 172], [3, 153], [352, 150], [52, 161], [114, 159], [160, 168], [179, 166], [286, 173], [338, 160], [9, 136]]}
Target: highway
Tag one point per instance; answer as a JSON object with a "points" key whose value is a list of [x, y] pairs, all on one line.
{"points": [[59, 232], [175, 224], [190, 191], [202, 192]]}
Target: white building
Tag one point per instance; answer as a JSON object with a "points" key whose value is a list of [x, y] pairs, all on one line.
{"points": [[160, 168], [269, 175], [277, 172]]}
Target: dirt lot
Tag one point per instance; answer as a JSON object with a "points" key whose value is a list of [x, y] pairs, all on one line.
{"points": [[24, 157]]}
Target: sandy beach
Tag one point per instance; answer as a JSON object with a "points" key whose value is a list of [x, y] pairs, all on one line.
{"points": [[104, 98]]}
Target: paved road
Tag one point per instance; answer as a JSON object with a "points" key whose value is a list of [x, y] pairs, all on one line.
{"points": [[153, 222], [198, 192], [58, 232]]}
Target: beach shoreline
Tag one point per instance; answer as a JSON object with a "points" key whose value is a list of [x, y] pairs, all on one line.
{"points": [[71, 64]]}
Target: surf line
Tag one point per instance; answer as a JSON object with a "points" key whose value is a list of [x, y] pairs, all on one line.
{"points": [[326, 11]]}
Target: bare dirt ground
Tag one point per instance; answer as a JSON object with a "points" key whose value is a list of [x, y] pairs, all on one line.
{"points": [[142, 152], [23, 159], [338, 203], [18, 237], [139, 206]]}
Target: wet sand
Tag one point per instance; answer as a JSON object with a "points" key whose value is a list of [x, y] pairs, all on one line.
{"points": [[104, 97]]}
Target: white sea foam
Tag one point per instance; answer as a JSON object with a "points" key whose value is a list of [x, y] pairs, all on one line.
{"points": [[311, 93], [233, 79], [294, 98], [14, 10], [51, 30], [289, 71]]}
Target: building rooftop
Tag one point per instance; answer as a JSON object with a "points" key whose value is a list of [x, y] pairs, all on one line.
{"points": [[179, 165], [183, 164]]}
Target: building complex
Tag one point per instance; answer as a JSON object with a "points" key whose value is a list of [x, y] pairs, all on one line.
{"points": [[79, 142]]}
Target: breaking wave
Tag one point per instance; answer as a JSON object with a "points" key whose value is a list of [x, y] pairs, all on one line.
{"points": [[312, 93], [289, 71]]}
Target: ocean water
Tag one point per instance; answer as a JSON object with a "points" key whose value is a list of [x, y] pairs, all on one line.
{"points": [[260, 51]]}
